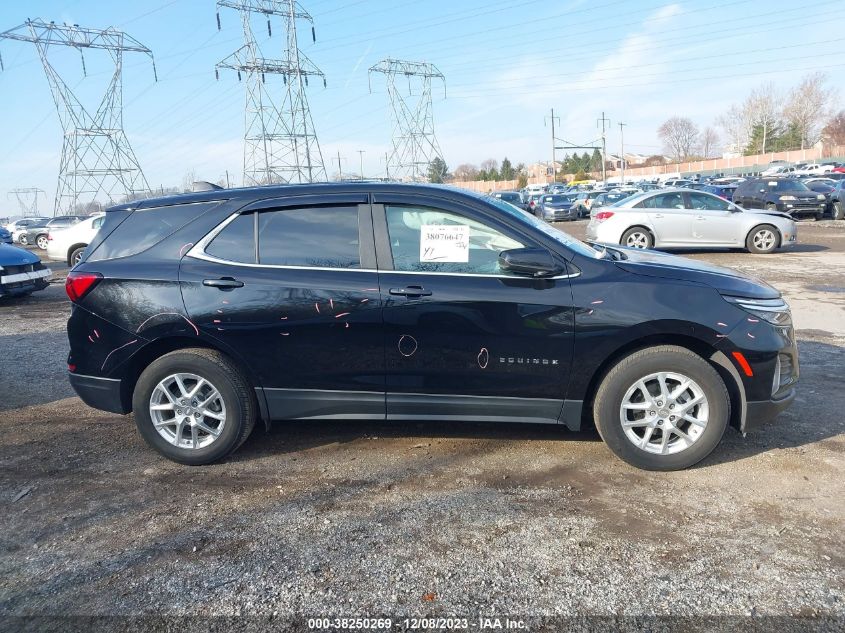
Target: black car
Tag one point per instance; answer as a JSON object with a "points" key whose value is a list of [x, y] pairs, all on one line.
{"points": [[788, 195], [207, 312], [514, 197]]}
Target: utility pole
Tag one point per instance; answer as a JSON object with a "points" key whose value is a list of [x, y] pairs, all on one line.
{"points": [[27, 199], [96, 156], [622, 143], [414, 144], [603, 121], [361, 156], [554, 140], [339, 168]]}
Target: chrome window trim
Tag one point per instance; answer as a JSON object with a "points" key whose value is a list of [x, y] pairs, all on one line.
{"points": [[197, 251]]}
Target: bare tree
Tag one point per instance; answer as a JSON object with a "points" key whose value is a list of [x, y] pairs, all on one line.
{"points": [[763, 111], [807, 106], [709, 141], [736, 124], [680, 136], [491, 164], [466, 171], [188, 180], [834, 132]]}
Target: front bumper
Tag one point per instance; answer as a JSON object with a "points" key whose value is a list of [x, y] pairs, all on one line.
{"points": [[100, 393], [558, 215], [758, 413], [16, 280], [801, 208]]}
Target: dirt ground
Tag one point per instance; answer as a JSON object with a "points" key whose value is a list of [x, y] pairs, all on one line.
{"points": [[353, 518]]}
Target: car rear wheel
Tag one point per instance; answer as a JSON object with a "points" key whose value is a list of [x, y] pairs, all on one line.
{"points": [[838, 211], [22, 240], [76, 256], [662, 408], [637, 237], [42, 242], [194, 406], [762, 239]]}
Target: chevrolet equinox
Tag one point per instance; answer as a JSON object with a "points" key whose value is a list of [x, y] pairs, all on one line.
{"points": [[205, 313]]}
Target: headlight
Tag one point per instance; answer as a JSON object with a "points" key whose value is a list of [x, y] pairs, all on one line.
{"points": [[820, 196], [787, 198], [774, 311]]}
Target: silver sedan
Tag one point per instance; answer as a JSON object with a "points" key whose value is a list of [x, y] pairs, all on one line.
{"points": [[685, 218]]}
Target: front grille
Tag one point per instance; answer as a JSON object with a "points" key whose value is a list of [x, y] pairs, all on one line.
{"points": [[25, 268]]}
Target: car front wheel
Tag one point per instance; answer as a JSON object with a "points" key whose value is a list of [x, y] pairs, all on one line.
{"points": [[194, 406], [662, 408], [762, 240], [838, 211], [22, 240]]}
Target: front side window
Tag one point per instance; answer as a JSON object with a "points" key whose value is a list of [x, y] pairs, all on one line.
{"points": [[314, 237], [425, 239], [709, 203]]}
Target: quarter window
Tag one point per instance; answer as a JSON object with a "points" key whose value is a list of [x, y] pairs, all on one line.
{"points": [[236, 242], [425, 239], [322, 237]]}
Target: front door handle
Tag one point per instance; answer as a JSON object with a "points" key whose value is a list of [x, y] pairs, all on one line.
{"points": [[223, 283], [700, 217], [411, 291], [658, 215]]}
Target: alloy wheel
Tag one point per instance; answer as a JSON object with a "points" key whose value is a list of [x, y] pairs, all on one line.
{"points": [[42, 242], [664, 413], [638, 239], [764, 239], [187, 411]]}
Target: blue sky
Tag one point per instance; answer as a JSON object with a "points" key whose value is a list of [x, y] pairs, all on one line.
{"points": [[506, 64]]}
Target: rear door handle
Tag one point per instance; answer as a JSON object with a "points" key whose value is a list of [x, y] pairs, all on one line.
{"points": [[223, 283], [658, 215], [700, 217], [411, 291]]}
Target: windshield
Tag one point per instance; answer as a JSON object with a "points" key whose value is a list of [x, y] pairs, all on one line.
{"points": [[559, 236], [787, 185], [555, 199]]}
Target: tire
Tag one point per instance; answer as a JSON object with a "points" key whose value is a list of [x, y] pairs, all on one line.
{"points": [[771, 207], [838, 211], [22, 240], [233, 388], [638, 237], [42, 242], [75, 256], [677, 363], [819, 217], [762, 240]]}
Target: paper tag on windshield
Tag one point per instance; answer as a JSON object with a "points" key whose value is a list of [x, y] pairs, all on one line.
{"points": [[444, 243]]}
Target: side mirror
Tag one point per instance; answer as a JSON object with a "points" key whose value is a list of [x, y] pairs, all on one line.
{"points": [[537, 262]]}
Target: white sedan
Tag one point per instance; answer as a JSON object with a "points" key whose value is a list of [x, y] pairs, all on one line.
{"points": [[69, 244], [685, 218]]}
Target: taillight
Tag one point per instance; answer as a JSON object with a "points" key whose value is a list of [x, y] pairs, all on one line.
{"points": [[79, 284], [49, 237], [601, 216]]}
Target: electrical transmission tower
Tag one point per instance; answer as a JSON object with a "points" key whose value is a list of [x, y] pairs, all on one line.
{"points": [[280, 144], [413, 140], [27, 198], [96, 155]]}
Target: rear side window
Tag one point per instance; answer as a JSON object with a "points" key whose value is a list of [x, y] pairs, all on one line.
{"points": [[236, 242], [145, 228], [317, 237]]}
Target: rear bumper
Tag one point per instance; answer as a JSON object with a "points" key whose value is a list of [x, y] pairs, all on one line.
{"points": [[759, 412], [100, 393]]}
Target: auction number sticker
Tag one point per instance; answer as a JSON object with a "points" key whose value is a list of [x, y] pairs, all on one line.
{"points": [[444, 243]]}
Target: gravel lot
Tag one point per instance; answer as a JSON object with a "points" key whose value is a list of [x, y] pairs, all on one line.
{"points": [[352, 518]]}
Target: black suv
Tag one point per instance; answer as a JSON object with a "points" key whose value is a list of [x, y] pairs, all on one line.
{"points": [[780, 194], [204, 313]]}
